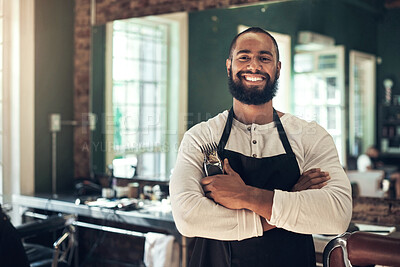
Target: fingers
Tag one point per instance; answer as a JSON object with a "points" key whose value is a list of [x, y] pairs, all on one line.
{"points": [[209, 179], [316, 181], [206, 184], [227, 167], [206, 180], [316, 178], [312, 174], [207, 188], [314, 170], [312, 179], [307, 174]]}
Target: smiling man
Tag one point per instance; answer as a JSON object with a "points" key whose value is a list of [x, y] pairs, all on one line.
{"points": [[253, 69], [282, 180]]}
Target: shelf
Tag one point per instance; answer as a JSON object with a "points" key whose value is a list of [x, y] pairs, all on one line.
{"points": [[388, 123], [396, 122], [389, 106], [390, 155]]}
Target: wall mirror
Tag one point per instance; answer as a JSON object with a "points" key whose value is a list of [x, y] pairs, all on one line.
{"points": [[141, 97], [153, 77]]}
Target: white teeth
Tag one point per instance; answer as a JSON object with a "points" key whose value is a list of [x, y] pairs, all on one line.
{"points": [[253, 79]]}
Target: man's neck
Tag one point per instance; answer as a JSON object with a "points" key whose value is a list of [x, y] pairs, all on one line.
{"points": [[248, 114]]}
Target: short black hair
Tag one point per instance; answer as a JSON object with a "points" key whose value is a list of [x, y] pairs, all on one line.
{"points": [[255, 30]]}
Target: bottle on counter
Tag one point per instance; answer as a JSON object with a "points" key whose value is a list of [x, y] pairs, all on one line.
{"points": [[133, 190]]}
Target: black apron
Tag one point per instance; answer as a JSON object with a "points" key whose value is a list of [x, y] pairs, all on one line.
{"points": [[277, 247]]}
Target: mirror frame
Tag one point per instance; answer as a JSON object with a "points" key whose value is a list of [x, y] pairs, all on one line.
{"points": [[96, 12]]}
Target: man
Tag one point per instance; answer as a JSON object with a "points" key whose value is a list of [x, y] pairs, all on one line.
{"points": [[369, 160], [261, 211]]}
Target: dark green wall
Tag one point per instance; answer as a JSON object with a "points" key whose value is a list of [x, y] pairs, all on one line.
{"points": [[53, 90], [211, 31], [389, 50], [98, 146]]}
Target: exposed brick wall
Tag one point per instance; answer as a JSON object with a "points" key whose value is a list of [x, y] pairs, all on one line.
{"points": [[376, 211], [108, 10], [392, 4], [82, 29]]}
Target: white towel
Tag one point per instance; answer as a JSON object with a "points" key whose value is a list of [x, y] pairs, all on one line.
{"points": [[160, 251]]}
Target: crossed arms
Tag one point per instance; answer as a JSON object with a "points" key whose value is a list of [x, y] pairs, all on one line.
{"points": [[230, 210], [230, 191]]}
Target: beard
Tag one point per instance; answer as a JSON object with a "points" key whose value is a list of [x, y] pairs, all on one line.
{"points": [[252, 95]]}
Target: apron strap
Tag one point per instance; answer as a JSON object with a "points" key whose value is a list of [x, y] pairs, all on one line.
{"points": [[282, 134], [227, 132]]}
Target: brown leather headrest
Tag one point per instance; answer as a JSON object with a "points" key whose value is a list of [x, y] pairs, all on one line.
{"points": [[336, 258], [366, 249]]}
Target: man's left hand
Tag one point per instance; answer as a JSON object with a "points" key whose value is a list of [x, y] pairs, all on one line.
{"points": [[226, 189], [311, 179]]}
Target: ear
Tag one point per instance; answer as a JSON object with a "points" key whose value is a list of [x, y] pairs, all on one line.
{"points": [[278, 70], [228, 66]]}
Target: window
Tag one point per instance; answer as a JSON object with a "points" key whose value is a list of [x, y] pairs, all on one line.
{"points": [[319, 92], [1, 100], [141, 97], [361, 102], [17, 112]]}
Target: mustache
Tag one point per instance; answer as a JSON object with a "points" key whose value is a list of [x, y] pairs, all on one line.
{"points": [[240, 73]]}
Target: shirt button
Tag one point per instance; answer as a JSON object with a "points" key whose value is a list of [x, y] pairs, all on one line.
{"points": [[254, 155], [248, 128], [254, 142]]}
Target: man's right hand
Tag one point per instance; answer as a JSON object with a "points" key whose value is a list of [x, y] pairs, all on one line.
{"points": [[311, 179]]}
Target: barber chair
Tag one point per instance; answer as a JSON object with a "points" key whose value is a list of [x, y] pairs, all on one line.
{"points": [[62, 252], [362, 249], [14, 251]]}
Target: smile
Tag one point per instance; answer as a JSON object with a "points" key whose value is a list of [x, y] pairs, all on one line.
{"points": [[253, 77]]}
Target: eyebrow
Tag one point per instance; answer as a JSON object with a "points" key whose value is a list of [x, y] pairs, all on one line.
{"points": [[246, 51]]}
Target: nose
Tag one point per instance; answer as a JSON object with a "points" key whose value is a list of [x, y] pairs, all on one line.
{"points": [[254, 64]]}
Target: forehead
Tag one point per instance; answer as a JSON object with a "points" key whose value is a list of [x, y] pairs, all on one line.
{"points": [[255, 42]]}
